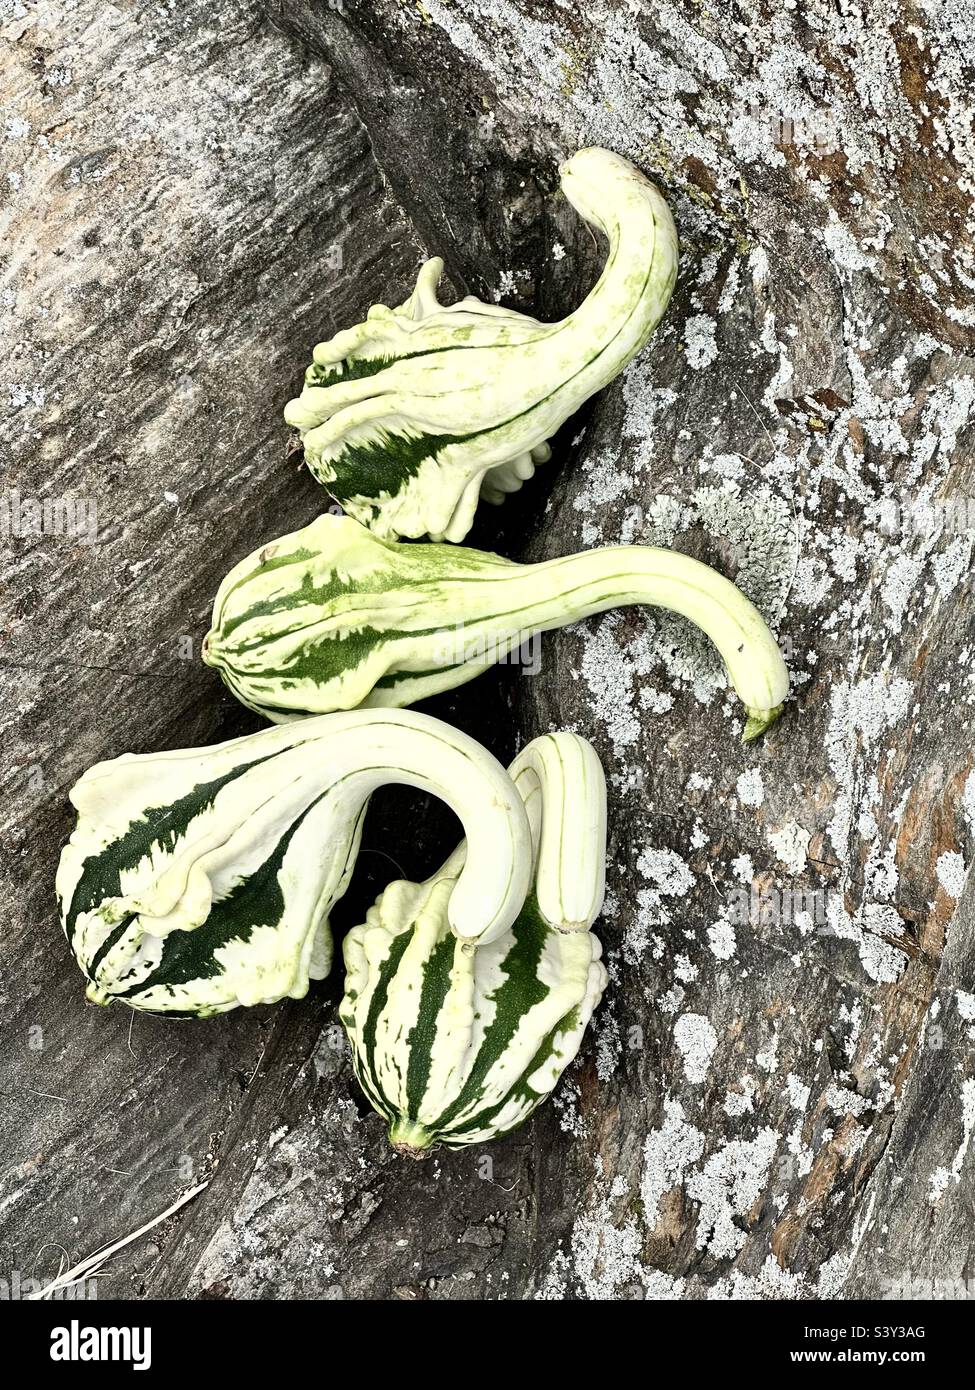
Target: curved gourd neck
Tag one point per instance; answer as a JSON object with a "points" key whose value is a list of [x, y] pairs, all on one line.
{"points": [[555, 593], [561, 781], [495, 875], [629, 298]]}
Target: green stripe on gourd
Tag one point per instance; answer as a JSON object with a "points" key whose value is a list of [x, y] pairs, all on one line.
{"points": [[334, 617], [453, 1042], [201, 879], [412, 415]]}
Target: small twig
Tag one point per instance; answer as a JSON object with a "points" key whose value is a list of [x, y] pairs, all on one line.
{"points": [[89, 1267], [51, 1245], [501, 1185], [399, 868], [751, 407], [29, 1091], [260, 1059]]}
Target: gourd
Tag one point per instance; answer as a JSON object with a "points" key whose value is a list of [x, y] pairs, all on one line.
{"points": [[408, 417], [333, 617], [456, 1043], [200, 879]]}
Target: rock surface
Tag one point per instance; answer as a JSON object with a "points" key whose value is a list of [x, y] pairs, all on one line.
{"points": [[778, 1095]]}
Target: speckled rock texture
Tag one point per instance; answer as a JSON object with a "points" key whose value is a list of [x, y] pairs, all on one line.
{"points": [[777, 1098]]}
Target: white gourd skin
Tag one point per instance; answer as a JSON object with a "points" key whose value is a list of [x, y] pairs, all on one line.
{"points": [[561, 781], [488, 386], [277, 830], [333, 617], [456, 1043]]}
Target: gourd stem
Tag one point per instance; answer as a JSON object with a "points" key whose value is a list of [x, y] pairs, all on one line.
{"points": [[410, 1138]]}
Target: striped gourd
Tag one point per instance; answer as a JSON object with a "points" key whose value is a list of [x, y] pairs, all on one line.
{"points": [[408, 417], [333, 617], [201, 879], [455, 1043]]}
